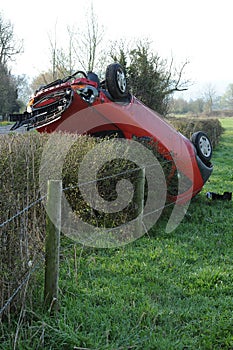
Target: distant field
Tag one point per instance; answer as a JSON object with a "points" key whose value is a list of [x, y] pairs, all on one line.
{"points": [[214, 114], [4, 123]]}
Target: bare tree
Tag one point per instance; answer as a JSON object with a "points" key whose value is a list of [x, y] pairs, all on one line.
{"points": [[9, 46], [227, 98], [175, 77], [86, 44], [53, 50], [82, 48], [42, 79], [209, 97]]}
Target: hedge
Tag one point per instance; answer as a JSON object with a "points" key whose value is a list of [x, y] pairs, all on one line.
{"points": [[22, 238], [187, 126]]}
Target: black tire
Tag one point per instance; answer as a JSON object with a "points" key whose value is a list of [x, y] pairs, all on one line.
{"points": [[116, 82], [203, 145]]}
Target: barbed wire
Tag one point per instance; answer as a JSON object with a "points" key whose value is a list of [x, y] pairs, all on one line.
{"points": [[101, 179], [125, 172], [17, 290]]}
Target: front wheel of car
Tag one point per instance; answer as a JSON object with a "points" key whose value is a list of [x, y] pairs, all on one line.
{"points": [[116, 82], [203, 145]]}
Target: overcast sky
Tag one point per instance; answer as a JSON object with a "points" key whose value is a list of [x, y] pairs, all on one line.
{"points": [[199, 31]]}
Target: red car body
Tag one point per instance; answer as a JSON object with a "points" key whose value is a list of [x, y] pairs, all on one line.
{"points": [[83, 105]]}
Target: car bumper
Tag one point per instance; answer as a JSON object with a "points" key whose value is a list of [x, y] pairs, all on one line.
{"points": [[205, 170]]}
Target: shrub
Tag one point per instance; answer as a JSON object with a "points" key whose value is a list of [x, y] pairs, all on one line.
{"points": [[187, 126], [22, 238]]}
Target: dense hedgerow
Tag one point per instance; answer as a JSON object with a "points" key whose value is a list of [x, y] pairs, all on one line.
{"points": [[21, 165], [21, 238], [109, 174], [187, 126]]}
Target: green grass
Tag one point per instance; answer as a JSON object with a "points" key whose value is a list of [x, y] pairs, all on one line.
{"points": [[222, 180], [4, 123], [164, 291]]}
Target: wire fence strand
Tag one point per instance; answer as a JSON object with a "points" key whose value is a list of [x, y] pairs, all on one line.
{"points": [[17, 290], [22, 211], [125, 172]]}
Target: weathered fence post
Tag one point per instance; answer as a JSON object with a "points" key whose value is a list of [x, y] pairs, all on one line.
{"points": [[139, 199], [52, 244]]}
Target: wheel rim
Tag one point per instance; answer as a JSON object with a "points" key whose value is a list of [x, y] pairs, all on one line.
{"points": [[205, 146], [121, 81]]}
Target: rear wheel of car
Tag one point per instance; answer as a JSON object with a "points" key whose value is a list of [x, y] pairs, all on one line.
{"points": [[116, 82], [203, 145]]}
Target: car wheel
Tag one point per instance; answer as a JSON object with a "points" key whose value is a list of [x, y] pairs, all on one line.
{"points": [[203, 145], [116, 81]]}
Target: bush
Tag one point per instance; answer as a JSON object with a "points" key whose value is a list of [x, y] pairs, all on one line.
{"points": [[187, 126], [22, 238]]}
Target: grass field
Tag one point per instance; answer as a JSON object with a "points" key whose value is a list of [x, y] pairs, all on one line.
{"points": [[4, 123], [164, 291]]}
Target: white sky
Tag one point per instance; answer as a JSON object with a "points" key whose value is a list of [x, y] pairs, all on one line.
{"points": [[199, 31]]}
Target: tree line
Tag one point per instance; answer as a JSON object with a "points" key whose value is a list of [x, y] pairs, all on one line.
{"points": [[209, 103]]}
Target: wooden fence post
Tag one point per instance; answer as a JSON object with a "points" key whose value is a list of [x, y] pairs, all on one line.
{"points": [[139, 199], [52, 244]]}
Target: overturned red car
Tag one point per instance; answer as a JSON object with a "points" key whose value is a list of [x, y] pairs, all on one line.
{"points": [[83, 104]]}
